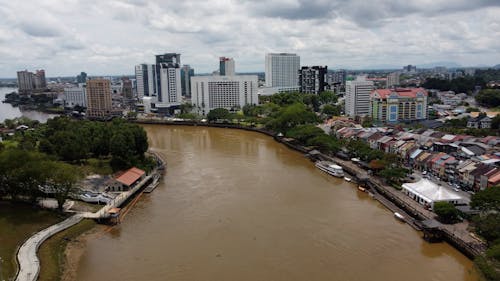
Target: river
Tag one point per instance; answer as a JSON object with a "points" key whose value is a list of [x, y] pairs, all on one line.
{"points": [[236, 205], [7, 111]]}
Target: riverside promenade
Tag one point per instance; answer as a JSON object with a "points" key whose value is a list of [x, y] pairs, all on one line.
{"points": [[29, 264]]}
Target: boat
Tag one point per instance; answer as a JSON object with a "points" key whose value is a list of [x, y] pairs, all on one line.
{"points": [[362, 189], [399, 216], [347, 179], [330, 168]]}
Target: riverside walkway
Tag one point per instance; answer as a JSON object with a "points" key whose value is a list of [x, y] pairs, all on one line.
{"points": [[29, 264]]}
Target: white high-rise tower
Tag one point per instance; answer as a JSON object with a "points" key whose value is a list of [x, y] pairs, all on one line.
{"points": [[357, 97], [282, 71]]}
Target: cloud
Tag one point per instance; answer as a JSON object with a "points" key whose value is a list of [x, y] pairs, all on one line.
{"points": [[107, 37]]}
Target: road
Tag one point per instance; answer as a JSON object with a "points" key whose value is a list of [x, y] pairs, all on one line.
{"points": [[29, 264]]}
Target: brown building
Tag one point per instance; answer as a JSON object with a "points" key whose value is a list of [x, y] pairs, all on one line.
{"points": [[127, 88], [99, 98]]}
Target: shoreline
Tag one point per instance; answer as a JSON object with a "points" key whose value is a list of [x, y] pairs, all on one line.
{"points": [[74, 251]]}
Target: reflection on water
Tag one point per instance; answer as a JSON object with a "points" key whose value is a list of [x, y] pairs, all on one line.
{"points": [[7, 111], [236, 205]]}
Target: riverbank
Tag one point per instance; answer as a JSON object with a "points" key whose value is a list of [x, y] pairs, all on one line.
{"points": [[60, 254], [21, 220], [456, 235]]}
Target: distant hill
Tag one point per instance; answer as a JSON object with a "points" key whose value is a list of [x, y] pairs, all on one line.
{"points": [[446, 64], [497, 66]]}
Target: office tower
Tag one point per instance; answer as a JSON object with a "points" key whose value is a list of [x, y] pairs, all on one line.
{"points": [[168, 79], [81, 78], [98, 98], [393, 79], [229, 92], [127, 88], [312, 79], [186, 73], [282, 70], [226, 66], [357, 97], [25, 81], [394, 105]]}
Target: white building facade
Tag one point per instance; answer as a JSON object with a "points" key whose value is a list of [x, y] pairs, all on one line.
{"points": [[229, 92], [357, 97], [282, 70], [75, 96]]}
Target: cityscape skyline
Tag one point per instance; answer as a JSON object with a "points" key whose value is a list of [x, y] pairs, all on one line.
{"points": [[110, 38]]}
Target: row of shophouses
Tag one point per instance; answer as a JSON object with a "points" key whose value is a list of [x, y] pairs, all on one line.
{"points": [[471, 162]]}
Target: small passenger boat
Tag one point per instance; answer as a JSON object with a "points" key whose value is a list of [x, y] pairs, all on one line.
{"points": [[399, 216], [347, 179], [362, 189]]}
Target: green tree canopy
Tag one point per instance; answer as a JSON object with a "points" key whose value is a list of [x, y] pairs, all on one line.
{"points": [[446, 212], [487, 199], [218, 114]]}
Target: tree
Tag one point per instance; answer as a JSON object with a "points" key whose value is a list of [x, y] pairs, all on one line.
{"points": [[488, 226], [487, 199], [331, 110], [327, 97], [393, 174], [218, 114], [291, 116], [325, 143], [495, 123], [446, 212], [63, 179], [303, 133], [488, 97]]}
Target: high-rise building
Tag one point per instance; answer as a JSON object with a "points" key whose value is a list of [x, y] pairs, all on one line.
{"points": [[226, 66], [357, 97], [168, 79], [25, 81], [145, 80], [81, 78], [312, 79], [396, 105], [40, 82], [186, 73], [410, 68], [75, 96], [393, 79], [99, 98], [282, 71], [229, 92], [127, 88]]}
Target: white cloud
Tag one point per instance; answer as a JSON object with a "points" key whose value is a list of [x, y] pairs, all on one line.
{"points": [[110, 37]]}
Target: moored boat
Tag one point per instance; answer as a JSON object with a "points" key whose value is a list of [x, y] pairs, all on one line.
{"points": [[347, 179], [362, 189], [330, 168], [399, 216]]}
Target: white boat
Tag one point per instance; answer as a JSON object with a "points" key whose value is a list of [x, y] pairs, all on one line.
{"points": [[347, 179], [399, 216], [330, 168]]}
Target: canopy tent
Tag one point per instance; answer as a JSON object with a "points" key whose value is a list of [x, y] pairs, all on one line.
{"points": [[426, 192]]}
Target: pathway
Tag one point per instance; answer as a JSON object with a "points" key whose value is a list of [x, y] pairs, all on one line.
{"points": [[29, 264]]}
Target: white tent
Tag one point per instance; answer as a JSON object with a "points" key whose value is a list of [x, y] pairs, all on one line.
{"points": [[426, 192]]}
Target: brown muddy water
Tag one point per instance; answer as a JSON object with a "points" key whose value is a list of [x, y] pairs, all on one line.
{"points": [[236, 205]]}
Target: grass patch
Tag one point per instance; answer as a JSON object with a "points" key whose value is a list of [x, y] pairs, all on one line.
{"points": [[97, 166], [18, 221], [51, 252]]}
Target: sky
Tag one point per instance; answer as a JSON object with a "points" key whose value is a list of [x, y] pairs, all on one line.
{"points": [[109, 37]]}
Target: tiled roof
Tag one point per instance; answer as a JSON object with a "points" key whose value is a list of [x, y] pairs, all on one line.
{"points": [[130, 176], [406, 92]]}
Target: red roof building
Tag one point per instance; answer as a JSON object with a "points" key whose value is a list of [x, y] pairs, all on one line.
{"points": [[396, 105]]}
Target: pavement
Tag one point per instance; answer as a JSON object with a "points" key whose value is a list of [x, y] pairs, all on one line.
{"points": [[29, 264]]}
